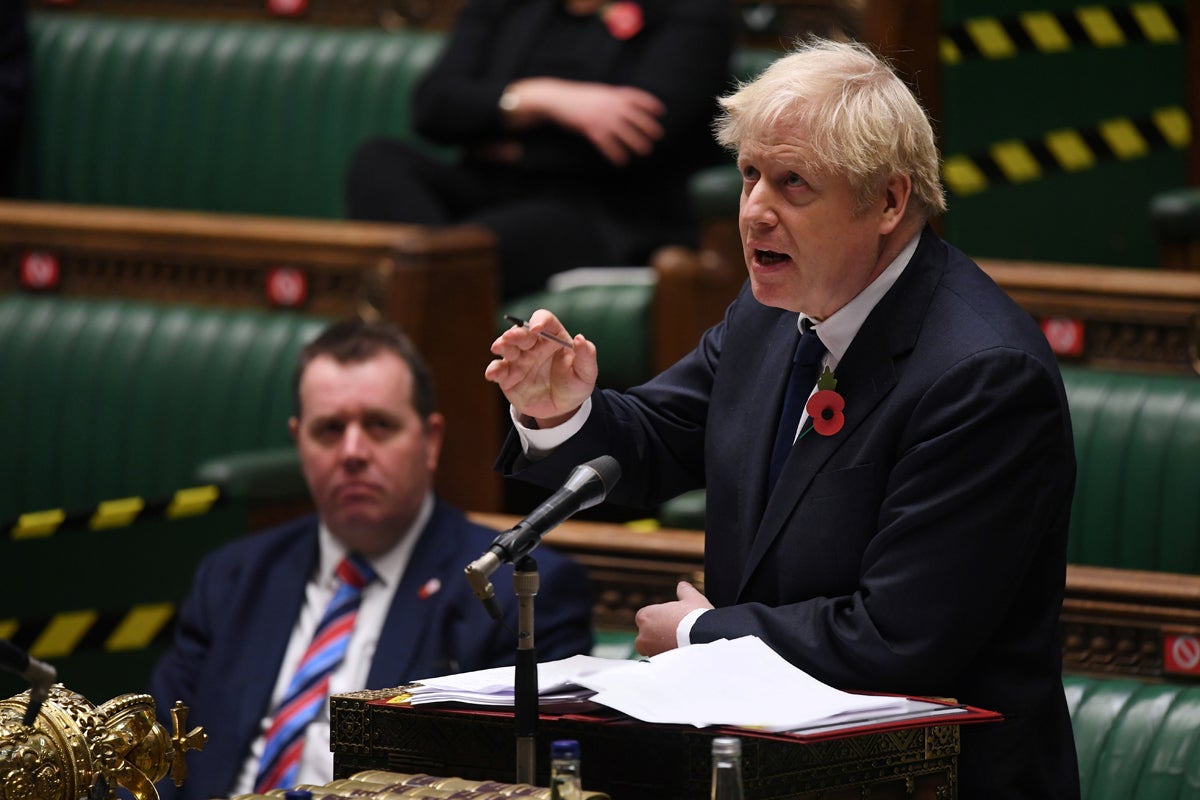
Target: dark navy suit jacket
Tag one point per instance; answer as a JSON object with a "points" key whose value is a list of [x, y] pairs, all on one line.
{"points": [[680, 55], [921, 549], [234, 627]]}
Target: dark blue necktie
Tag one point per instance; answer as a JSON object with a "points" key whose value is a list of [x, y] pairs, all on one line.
{"points": [[810, 352]]}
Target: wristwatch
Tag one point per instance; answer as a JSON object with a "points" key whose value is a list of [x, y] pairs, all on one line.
{"points": [[509, 101]]}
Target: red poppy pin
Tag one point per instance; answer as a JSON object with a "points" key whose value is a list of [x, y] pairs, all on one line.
{"points": [[826, 406], [623, 19], [431, 587]]}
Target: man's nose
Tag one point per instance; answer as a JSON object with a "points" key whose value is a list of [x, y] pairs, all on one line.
{"points": [[758, 205], [354, 444]]}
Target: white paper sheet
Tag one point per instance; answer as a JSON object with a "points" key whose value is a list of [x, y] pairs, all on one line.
{"points": [[738, 682]]}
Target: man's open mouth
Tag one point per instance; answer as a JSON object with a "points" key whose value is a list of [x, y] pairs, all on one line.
{"points": [[769, 257]]}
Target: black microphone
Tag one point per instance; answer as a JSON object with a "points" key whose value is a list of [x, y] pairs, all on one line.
{"points": [[41, 676], [587, 485]]}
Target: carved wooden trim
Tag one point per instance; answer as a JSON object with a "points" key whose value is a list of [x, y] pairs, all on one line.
{"points": [[1133, 319]]}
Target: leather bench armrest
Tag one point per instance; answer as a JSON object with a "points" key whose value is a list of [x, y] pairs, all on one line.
{"points": [[255, 474]]}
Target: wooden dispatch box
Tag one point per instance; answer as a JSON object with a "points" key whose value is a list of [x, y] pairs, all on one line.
{"points": [[628, 759]]}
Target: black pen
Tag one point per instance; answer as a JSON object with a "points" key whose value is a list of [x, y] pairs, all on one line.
{"points": [[520, 323]]}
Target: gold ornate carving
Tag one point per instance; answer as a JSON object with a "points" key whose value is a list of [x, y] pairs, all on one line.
{"points": [[75, 749]]}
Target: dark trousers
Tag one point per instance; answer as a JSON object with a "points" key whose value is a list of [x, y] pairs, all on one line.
{"points": [[541, 229]]}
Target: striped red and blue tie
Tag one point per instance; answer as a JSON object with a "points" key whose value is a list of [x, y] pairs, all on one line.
{"points": [[309, 687]]}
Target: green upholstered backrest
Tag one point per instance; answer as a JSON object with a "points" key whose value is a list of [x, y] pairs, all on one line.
{"points": [[1135, 740], [1137, 499], [617, 317], [216, 116], [109, 398]]}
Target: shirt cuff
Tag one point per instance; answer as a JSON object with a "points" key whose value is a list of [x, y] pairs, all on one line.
{"points": [[539, 442], [683, 633]]}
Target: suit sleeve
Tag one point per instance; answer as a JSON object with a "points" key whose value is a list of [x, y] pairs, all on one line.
{"points": [[457, 100], [967, 537], [176, 674]]}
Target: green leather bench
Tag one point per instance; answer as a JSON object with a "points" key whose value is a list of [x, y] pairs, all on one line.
{"points": [[1137, 442], [110, 409], [233, 116], [213, 116], [118, 398], [1135, 740]]}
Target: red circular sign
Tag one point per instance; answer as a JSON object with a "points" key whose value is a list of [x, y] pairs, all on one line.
{"points": [[287, 287], [1185, 651], [39, 270], [1064, 334], [287, 8]]}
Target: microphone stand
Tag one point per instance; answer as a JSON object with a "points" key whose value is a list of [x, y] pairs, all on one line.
{"points": [[525, 685]]}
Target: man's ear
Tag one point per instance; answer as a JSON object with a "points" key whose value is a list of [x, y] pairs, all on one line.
{"points": [[294, 428], [896, 194]]}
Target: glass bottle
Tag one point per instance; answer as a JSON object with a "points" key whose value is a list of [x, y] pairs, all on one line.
{"points": [[565, 780], [726, 768]]}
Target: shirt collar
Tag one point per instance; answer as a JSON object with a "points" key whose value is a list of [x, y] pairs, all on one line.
{"points": [[389, 566], [840, 328]]}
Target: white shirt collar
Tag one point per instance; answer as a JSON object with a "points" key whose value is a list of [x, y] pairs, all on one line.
{"points": [[839, 330], [389, 566]]}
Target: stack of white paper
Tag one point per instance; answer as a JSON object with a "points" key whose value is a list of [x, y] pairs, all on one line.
{"points": [[739, 682]]}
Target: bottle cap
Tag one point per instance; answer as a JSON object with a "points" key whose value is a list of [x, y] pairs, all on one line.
{"points": [[564, 748], [727, 746]]}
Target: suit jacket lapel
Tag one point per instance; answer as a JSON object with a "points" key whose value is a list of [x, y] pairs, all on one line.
{"points": [[282, 596], [865, 375], [772, 380], [401, 654]]}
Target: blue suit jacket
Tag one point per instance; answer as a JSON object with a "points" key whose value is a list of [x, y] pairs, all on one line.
{"points": [[234, 627], [921, 549]]}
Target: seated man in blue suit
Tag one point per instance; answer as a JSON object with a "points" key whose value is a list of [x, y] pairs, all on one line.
{"points": [[898, 525], [269, 629]]}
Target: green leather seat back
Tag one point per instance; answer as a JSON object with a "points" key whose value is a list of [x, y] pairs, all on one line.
{"points": [[617, 317], [217, 116], [1134, 739], [1137, 499], [112, 398]]}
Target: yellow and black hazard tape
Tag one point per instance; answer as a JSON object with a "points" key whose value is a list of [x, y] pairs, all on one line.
{"points": [[66, 632], [117, 513], [1068, 150], [1061, 31]]}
